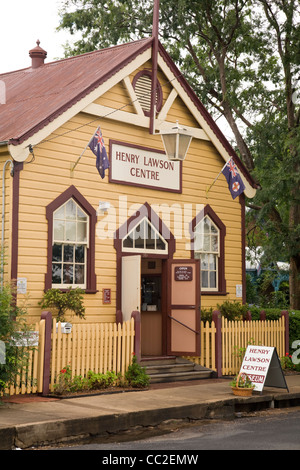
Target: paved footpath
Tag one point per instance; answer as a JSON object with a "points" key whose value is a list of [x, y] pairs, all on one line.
{"points": [[27, 422]]}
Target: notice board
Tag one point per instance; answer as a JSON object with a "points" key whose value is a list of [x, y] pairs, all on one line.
{"points": [[262, 365]]}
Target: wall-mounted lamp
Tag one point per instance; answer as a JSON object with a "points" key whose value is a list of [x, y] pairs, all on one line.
{"points": [[103, 207], [176, 142]]}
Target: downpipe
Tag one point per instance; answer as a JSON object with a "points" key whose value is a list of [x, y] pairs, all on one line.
{"points": [[8, 162]]}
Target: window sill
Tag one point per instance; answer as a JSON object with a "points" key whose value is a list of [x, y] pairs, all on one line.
{"points": [[206, 292], [85, 291]]}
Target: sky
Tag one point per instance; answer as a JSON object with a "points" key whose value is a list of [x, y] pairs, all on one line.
{"points": [[23, 22]]}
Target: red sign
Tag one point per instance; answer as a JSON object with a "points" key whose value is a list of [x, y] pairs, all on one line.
{"points": [[106, 296]]}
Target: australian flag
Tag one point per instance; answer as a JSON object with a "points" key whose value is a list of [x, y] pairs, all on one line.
{"points": [[234, 180], [97, 146]]}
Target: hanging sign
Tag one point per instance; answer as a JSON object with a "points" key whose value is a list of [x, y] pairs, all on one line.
{"points": [[262, 365], [141, 166]]}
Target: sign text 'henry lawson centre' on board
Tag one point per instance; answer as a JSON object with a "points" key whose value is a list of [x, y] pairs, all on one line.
{"points": [[141, 166]]}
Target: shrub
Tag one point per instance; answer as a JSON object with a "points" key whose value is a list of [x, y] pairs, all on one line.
{"points": [[71, 300], [136, 375], [233, 310], [98, 381]]}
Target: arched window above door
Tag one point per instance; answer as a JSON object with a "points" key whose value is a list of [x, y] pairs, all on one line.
{"points": [[144, 233], [144, 238]]}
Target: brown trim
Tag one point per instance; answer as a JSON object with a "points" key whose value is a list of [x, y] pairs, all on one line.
{"points": [[147, 186], [121, 232], [47, 316], [72, 192], [221, 259], [243, 235], [154, 80], [18, 167]]}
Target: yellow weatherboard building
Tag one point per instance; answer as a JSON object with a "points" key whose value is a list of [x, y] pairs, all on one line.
{"points": [[139, 233]]}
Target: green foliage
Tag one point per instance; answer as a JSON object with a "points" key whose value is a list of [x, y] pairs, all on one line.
{"points": [[13, 334], [65, 383], [233, 310], [71, 300], [294, 327], [98, 381], [287, 363], [242, 381], [136, 375]]}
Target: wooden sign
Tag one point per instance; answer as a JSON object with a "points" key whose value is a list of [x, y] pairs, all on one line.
{"points": [[262, 365], [183, 273], [141, 166]]}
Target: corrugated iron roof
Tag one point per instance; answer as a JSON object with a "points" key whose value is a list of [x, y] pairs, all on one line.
{"points": [[34, 97]]}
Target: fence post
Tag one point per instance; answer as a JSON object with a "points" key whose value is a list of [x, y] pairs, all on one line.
{"points": [[47, 316], [262, 315], [216, 316], [285, 314], [119, 317], [248, 316], [137, 335]]}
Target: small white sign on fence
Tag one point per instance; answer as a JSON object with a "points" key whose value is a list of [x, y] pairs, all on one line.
{"points": [[262, 365]]}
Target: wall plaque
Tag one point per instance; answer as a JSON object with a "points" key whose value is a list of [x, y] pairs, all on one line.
{"points": [[183, 273]]}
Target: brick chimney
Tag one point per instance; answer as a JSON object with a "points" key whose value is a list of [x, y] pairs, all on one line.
{"points": [[38, 55]]}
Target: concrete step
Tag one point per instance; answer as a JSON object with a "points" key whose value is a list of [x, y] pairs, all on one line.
{"points": [[172, 369]]}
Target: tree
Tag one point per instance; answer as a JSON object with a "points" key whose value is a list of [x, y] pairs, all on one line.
{"points": [[242, 58]]}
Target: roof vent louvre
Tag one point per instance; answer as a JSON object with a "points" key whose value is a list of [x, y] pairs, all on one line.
{"points": [[142, 84]]}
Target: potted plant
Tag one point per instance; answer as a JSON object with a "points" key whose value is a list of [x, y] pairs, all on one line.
{"points": [[241, 385]]}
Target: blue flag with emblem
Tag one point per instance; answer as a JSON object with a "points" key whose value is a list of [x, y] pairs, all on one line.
{"points": [[97, 146], [234, 180]]}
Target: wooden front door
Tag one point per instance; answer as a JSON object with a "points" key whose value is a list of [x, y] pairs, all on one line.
{"points": [[183, 310]]}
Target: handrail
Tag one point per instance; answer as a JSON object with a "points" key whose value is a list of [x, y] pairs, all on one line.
{"points": [[175, 319]]}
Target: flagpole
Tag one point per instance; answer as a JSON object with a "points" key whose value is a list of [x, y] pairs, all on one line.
{"points": [[209, 188], [154, 64], [76, 163]]}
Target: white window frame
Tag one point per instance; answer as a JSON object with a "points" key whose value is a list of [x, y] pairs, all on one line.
{"points": [[136, 248], [202, 249], [67, 242]]}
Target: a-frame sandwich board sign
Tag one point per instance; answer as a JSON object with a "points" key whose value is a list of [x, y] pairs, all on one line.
{"points": [[262, 365]]}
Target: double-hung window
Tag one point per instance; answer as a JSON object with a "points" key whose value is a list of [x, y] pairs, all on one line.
{"points": [[208, 245], [70, 242], [207, 248]]}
